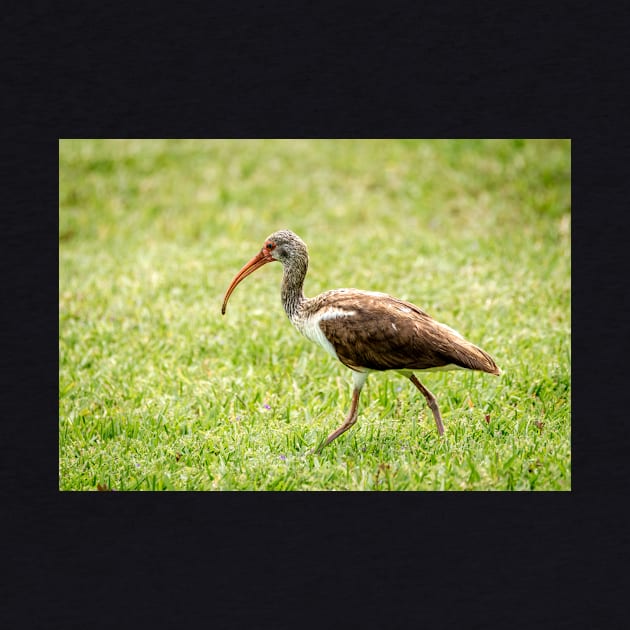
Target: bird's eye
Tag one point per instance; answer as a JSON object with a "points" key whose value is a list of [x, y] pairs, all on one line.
{"points": [[270, 245]]}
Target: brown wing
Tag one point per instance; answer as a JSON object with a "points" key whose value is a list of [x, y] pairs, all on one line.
{"points": [[385, 333]]}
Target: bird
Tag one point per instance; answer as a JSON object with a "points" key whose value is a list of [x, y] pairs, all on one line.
{"points": [[366, 331]]}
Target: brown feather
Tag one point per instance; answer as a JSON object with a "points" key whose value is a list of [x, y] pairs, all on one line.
{"points": [[385, 333]]}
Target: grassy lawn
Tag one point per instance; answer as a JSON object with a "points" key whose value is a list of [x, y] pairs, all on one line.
{"points": [[158, 391]]}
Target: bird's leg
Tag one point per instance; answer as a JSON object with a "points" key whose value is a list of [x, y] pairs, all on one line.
{"points": [[431, 401], [348, 422], [351, 418]]}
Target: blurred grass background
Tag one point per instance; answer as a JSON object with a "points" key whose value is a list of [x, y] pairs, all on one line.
{"points": [[158, 391]]}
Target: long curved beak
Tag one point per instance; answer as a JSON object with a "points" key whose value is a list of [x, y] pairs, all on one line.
{"points": [[255, 263]]}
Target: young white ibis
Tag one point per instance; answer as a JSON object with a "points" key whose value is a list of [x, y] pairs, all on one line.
{"points": [[366, 331]]}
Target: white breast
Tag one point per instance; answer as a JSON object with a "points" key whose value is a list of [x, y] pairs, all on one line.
{"points": [[310, 328]]}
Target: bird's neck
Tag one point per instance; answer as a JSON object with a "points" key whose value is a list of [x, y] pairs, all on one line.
{"points": [[292, 287]]}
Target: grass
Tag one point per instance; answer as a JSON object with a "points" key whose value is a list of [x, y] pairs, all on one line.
{"points": [[158, 391]]}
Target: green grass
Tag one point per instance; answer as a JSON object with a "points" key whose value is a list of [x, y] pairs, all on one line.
{"points": [[158, 391]]}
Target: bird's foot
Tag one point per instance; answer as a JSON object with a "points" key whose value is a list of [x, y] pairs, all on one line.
{"points": [[318, 449]]}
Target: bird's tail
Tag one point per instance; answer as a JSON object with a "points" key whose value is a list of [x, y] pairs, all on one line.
{"points": [[459, 351], [472, 357]]}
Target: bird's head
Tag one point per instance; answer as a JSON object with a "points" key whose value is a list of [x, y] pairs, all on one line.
{"points": [[283, 246]]}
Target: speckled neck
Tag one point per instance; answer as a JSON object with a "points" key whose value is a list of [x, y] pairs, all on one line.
{"points": [[292, 285]]}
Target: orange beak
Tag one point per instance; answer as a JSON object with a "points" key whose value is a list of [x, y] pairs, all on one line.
{"points": [[256, 262]]}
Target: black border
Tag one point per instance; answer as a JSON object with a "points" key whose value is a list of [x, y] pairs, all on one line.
{"points": [[451, 69]]}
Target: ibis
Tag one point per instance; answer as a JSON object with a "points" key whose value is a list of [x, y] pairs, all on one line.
{"points": [[365, 330]]}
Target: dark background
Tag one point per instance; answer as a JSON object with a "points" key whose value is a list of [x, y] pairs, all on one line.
{"points": [[284, 69]]}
